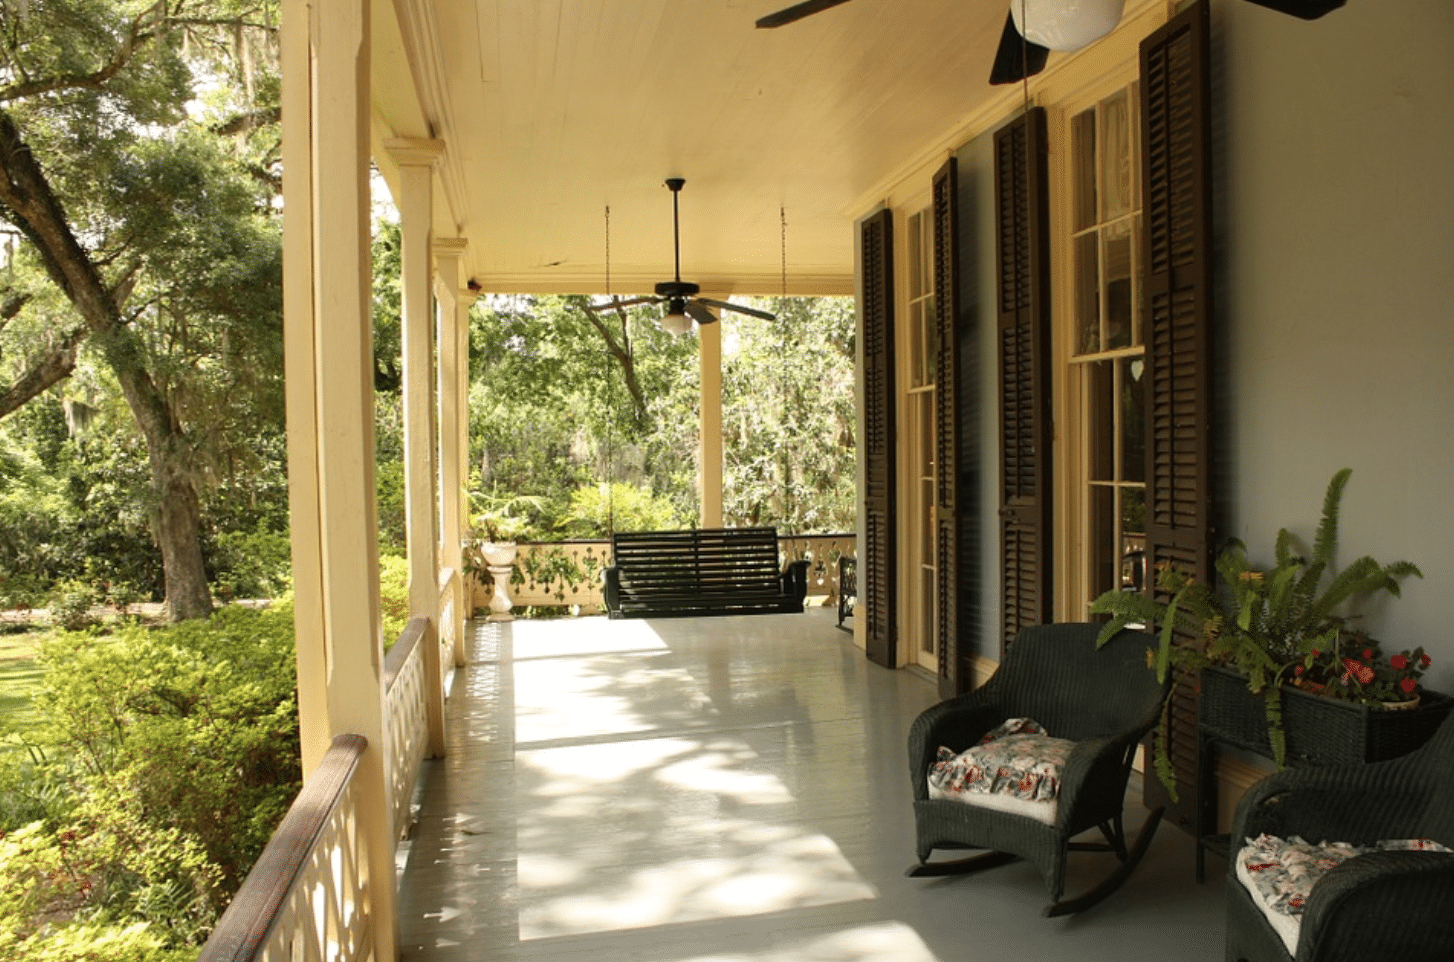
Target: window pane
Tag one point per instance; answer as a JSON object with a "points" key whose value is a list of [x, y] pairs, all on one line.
{"points": [[1117, 196], [1103, 552], [1116, 268], [926, 434], [1100, 420], [916, 256], [931, 338], [1133, 538], [916, 344], [1138, 284], [1087, 295], [1133, 419], [1083, 157]]}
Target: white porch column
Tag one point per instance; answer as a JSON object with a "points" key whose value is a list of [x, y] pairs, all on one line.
{"points": [[416, 159], [329, 384], [709, 457], [454, 305]]}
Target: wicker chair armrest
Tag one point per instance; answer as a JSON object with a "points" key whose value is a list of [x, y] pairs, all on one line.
{"points": [[1346, 803], [1094, 766], [956, 724], [1383, 905]]}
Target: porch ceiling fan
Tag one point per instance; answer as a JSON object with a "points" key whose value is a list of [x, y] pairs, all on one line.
{"points": [[1052, 25], [682, 298]]}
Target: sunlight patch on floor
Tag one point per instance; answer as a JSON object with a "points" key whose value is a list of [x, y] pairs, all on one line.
{"points": [[568, 637], [636, 832]]}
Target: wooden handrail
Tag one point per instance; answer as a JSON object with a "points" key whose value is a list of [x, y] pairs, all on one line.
{"points": [[399, 654], [248, 922]]}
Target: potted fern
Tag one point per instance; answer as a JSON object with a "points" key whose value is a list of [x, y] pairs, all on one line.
{"points": [[1261, 629]]}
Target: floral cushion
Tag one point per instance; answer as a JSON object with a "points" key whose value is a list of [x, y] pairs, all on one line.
{"points": [[1280, 873], [1016, 768]]}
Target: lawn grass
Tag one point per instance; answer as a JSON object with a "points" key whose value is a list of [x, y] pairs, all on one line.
{"points": [[20, 676]]}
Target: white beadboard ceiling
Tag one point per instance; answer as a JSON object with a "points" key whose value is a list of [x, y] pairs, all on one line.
{"points": [[551, 110]]}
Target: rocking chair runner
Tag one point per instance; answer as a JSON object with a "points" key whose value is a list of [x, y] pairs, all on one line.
{"points": [[1102, 700]]}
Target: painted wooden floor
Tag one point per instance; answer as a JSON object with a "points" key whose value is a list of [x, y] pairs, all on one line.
{"points": [[724, 790]]}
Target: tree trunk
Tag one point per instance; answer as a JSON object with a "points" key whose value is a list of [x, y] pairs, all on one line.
{"points": [[32, 206], [176, 524]]}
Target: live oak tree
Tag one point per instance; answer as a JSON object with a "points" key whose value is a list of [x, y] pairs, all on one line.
{"points": [[138, 165]]}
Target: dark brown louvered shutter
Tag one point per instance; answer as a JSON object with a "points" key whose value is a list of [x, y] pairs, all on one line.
{"points": [[947, 597], [1176, 179], [1023, 306], [879, 566]]}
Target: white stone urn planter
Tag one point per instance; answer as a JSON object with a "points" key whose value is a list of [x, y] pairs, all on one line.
{"points": [[499, 561]]}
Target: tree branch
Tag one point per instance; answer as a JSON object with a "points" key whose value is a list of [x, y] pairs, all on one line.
{"points": [[47, 370], [142, 30], [621, 351]]}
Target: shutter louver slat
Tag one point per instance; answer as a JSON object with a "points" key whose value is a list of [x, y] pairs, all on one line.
{"points": [[879, 562], [1022, 262], [946, 442], [1176, 171]]}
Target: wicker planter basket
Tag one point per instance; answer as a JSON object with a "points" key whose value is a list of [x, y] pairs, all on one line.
{"points": [[1320, 731]]}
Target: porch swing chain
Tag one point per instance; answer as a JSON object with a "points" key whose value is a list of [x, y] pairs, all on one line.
{"points": [[611, 397], [787, 517]]}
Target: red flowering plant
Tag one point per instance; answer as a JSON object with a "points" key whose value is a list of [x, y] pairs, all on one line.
{"points": [[1354, 669], [1275, 624]]}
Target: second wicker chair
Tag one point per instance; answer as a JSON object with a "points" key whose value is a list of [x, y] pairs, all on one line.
{"points": [[1102, 700]]}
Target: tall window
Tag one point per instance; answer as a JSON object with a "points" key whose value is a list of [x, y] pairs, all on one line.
{"points": [[1106, 356], [923, 357]]}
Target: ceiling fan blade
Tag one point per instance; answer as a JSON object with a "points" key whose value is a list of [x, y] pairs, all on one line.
{"points": [[615, 303], [1016, 58], [700, 313], [1303, 9], [796, 12], [725, 306]]}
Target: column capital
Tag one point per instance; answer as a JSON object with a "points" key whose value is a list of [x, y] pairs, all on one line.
{"points": [[414, 151], [444, 247]]}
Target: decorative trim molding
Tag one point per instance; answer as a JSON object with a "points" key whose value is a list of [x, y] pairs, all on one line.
{"points": [[419, 31], [414, 151]]}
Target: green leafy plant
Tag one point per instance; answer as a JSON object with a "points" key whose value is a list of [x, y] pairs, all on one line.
{"points": [[505, 517], [1270, 625], [71, 603]]}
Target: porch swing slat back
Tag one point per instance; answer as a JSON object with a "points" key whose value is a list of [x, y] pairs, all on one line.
{"points": [[706, 571]]}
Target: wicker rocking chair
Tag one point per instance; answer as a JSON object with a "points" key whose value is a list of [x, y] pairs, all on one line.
{"points": [[1102, 700], [1381, 905]]}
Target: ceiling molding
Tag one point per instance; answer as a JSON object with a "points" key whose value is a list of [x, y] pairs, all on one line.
{"points": [[419, 30]]}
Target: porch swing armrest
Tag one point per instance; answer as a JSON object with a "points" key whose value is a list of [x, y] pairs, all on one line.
{"points": [[795, 580], [611, 588]]}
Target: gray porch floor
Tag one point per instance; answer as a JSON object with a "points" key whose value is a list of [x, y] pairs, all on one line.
{"points": [[725, 790]]}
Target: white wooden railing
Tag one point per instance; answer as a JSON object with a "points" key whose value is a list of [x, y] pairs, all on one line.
{"points": [[567, 573], [307, 897], [823, 552], [404, 680]]}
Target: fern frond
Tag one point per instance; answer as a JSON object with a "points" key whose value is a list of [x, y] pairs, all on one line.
{"points": [[1325, 542]]}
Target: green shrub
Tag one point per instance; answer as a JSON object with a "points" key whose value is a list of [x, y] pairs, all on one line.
{"points": [[172, 754], [596, 508], [393, 596], [252, 564], [71, 603]]}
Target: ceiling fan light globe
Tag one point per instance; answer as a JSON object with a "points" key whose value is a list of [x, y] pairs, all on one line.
{"points": [[1065, 25], [676, 322]]}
